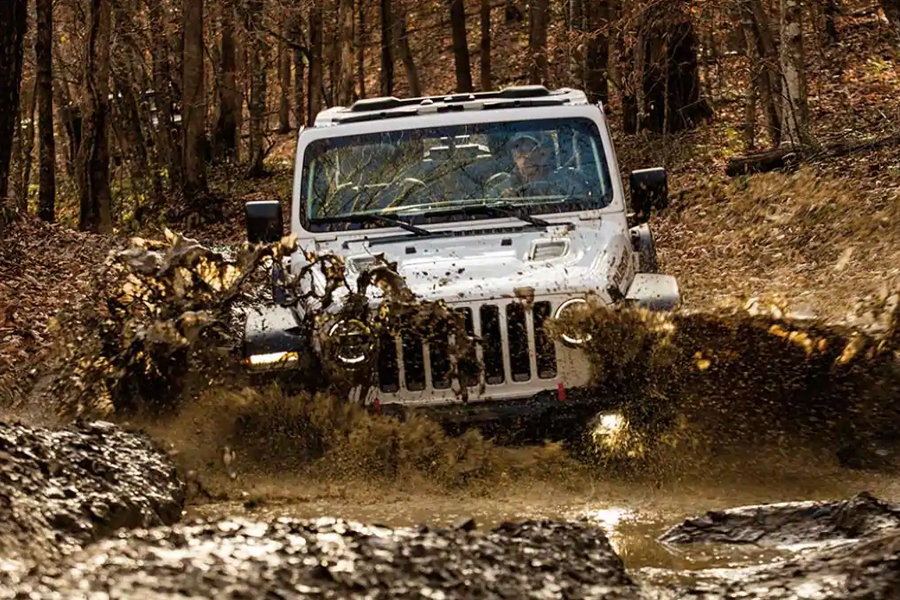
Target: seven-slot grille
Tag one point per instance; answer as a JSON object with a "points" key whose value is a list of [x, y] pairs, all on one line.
{"points": [[514, 348]]}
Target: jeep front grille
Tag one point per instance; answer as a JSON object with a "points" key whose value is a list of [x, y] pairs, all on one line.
{"points": [[514, 349]]}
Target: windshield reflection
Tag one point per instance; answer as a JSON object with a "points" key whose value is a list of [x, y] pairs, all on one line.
{"points": [[423, 175]]}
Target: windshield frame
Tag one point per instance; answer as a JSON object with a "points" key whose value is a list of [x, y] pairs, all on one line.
{"points": [[302, 224]]}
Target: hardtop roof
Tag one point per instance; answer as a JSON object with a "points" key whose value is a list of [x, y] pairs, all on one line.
{"points": [[386, 107]]}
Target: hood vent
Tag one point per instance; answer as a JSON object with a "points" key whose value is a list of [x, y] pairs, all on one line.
{"points": [[544, 250], [358, 264]]}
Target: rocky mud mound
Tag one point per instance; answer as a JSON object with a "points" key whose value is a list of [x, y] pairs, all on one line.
{"points": [[328, 558], [870, 570], [860, 517], [61, 489]]}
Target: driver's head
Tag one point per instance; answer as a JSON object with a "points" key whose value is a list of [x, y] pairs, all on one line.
{"points": [[530, 153]]}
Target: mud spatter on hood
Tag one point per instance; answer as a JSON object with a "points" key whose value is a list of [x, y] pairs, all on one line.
{"points": [[330, 558], [61, 489]]}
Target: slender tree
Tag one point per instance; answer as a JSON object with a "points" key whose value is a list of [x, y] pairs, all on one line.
{"points": [[259, 53], [169, 154], [284, 84], [538, 16], [387, 51], [316, 56], [299, 69], [460, 46], [761, 55], [345, 39], [12, 41], [485, 45], [93, 154], [193, 85], [44, 55], [361, 40], [401, 43], [228, 112], [794, 111], [596, 60]]}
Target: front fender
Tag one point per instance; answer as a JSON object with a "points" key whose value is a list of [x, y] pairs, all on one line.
{"points": [[274, 337], [654, 291]]}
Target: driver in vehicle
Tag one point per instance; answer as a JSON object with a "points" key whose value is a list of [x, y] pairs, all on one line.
{"points": [[533, 174]]}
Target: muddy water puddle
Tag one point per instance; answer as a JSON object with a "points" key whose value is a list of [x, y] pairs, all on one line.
{"points": [[633, 515]]}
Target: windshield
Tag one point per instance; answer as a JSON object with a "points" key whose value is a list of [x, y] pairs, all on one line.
{"points": [[434, 174]]}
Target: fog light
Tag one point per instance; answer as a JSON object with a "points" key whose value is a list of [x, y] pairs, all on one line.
{"points": [[568, 310], [271, 359]]}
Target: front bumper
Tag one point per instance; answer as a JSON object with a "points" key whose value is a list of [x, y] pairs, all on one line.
{"points": [[577, 404]]}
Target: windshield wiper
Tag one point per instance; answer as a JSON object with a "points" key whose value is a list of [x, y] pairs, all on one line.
{"points": [[376, 218], [509, 210], [504, 209]]}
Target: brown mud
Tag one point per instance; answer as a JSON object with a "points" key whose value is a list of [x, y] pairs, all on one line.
{"points": [[749, 404]]}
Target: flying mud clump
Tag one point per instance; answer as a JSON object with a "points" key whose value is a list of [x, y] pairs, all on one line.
{"points": [[165, 328], [750, 374], [168, 309]]}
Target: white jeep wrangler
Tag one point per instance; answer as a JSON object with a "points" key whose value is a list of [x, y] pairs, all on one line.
{"points": [[506, 205]]}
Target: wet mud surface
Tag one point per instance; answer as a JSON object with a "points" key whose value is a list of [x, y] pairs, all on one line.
{"points": [[96, 510], [861, 517], [328, 558], [135, 548], [62, 489]]}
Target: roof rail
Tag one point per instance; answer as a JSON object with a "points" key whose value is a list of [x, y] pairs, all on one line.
{"points": [[389, 102], [386, 107]]}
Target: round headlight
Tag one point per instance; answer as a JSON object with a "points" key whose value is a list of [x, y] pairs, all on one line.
{"points": [[351, 341], [568, 309]]}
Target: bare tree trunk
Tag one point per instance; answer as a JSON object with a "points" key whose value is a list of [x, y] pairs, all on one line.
{"points": [[193, 108], [537, 41], [26, 141], [316, 56], [387, 51], [361, 38], [832, 9], [285, 86], [486, 45], [667, 91], [769, 55], [761, 71], [93, 154], [12, 49], [345, 39], [751, 95], [228, 119], [44, 56], [259, 52], [794, 111], [401, 43], [299, 113], [597, 52], [169, 153], [460, 46]]}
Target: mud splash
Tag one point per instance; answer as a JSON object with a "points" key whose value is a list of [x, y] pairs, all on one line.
{"points": [[161, 350]]}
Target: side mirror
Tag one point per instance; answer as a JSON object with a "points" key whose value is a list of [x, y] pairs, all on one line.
{"points": [[264, 221], [649, 190]]}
